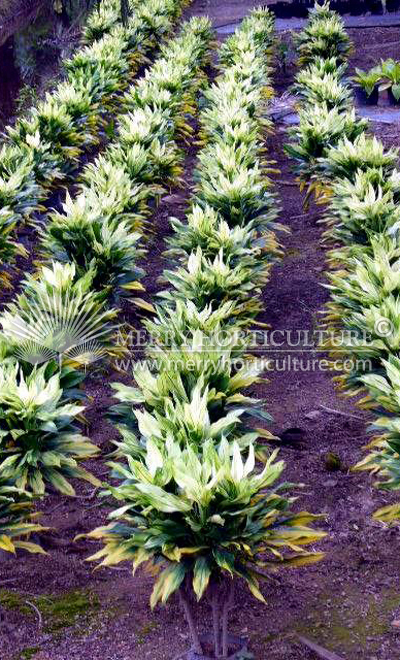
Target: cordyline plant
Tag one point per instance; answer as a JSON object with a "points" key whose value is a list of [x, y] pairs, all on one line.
{"points": [[320, 12], [17, 521], [189, 420], [242, 195], [194, 507], [38, 442], [45, 145], [201, 520], [382, 459], [318, 130], [56, 126], [361, 183], [9, 249], [360, 208], [108, 248], [106, 16], [205, 229], [358, 212], [70, 377], [198, 361], [215, 282], [233, 109], [358, 153], [99, 230], [101, 21], [256, 35], [320, 67], [131, 164], [365, 302], [113, 186], [369, 277], [19, 192], [171, 74], [314, 88], [324, 36], [173, 325]]}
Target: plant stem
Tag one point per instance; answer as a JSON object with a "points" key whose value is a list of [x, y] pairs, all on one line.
{"points": [[186, 606], [215, 605], [225, 619]]}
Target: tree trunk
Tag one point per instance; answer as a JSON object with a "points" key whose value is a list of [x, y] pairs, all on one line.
{"points": [[216, 607], [228, 604], [187, 609]]}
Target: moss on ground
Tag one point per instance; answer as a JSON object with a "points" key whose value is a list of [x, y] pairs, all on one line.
{"points": [[351, 619], [145, 631], [28, 653], [58, 611]]}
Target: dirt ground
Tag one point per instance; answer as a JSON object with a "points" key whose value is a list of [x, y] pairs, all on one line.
{"points": [[346, 603]]}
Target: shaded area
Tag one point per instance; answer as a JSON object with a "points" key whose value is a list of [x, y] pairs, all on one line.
{"points": [[16, 14], [10, 80]]}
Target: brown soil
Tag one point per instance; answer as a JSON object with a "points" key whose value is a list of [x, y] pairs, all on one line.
{"points": [[347, 602]]}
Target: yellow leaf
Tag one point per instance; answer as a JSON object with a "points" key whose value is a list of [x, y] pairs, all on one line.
{"points": [[306, 560], [133, 286], [6, 544], [139, 302], [388, 513], [34, 548]]}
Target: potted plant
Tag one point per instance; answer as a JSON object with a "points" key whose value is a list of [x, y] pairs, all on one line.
{"points": [[390, 72], [367, 86]]}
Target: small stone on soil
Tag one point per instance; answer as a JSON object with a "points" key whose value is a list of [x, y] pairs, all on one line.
{"points": [[313, 414], [330, 483]]}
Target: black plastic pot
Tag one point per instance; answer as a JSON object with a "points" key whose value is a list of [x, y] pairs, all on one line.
{"points": [[364, 99], [374, 6], [300, 11], [392, 99], [238, 643], [341, 6], [278, 9], [287, 10]]}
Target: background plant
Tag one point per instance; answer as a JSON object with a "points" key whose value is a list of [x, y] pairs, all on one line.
{"points": [[359, 182]]}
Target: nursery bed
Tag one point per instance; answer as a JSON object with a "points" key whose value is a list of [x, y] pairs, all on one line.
{"points": [[346, 603]]}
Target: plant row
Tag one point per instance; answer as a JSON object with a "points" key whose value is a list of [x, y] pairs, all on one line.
{"points": [[356, 177], [194, 505], [107, 18], [59, 310], [99, 231], [44, 147]]}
